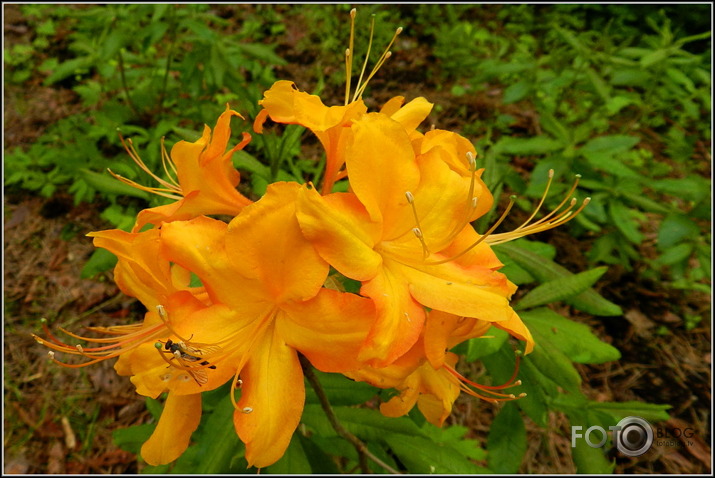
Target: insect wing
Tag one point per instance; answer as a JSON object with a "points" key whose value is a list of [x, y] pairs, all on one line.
{"points": [[199, 350], [198, 373]]}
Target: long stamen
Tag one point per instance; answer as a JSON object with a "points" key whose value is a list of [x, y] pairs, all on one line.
{"points": [[490, 393], [383, 58], [367, 55], [170, 190], [158, 191], [417, 230], [555, 218], [349, 56], [137, 336], [166, 159], [129, 146], [471, 199], [512, 199]]}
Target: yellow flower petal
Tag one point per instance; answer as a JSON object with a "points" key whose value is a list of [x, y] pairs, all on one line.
{"points": [[413, 113], [284, 103], [382, 168], [336, 224], [181, 416], [399, 318], [518, 329], [459, 294], [328, 329], [265, 243], [206, 176], [273, 389]]}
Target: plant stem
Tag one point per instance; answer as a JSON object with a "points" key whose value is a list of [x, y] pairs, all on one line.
{"points": [[360, 447], [124, 84]]}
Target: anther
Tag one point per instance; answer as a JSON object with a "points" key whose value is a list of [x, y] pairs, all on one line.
{"points": [[417, 232], [472, 162], [79, 348], [247, 410], [162, 312], [474, 202], [51, 354], [410, 197]]}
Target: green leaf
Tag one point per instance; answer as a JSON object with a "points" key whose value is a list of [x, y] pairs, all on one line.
{"points": [[545, 270], [527, 146], [453, 436], [619, 410], [556, 366], [366, 424], [218, 446], [654, 57], [108, 185], [100, 261], [131, 439], [590, 461], [294, 461], [645, 203], [576, 341], [624, 219], [631, 77], [489, 343], [320, 462], [693, 188], [675, 228], [341, 390], [422, 455], [539, 389], [611, 144], [506, 443], [68, 68], [598, 84], [561, 288], [516, 92], [675, 254]]}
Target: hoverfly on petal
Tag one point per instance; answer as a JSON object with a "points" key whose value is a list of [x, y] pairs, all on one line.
{"points": [[190, 358]]}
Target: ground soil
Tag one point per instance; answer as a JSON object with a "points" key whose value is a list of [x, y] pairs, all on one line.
{"points": [[60, 420]]}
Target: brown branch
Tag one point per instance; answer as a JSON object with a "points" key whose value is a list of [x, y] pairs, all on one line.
{"points": [[360, 447]]}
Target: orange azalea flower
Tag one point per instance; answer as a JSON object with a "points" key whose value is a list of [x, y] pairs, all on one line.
{"points": [[143, 272], [432, 383], [266, 280], [284, 103], [402, 223], [205, 177]]}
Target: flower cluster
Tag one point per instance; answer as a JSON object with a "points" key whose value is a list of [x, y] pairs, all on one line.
{"points": [[269, 281]]}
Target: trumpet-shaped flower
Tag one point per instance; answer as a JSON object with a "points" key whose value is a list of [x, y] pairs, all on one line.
{"points": [[426, 374], [284, 103], [403, 231], [266, 280], [142, 271], [205, 177]]}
